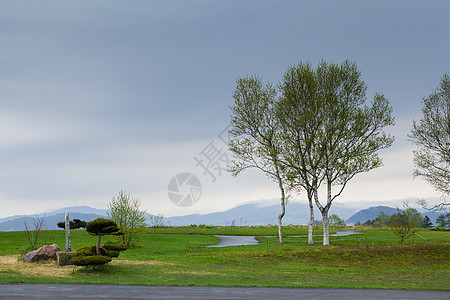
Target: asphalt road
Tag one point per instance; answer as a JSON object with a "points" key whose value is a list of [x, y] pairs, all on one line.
{"points": [[107, 291]]}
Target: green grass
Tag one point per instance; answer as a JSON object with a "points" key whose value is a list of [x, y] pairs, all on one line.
{"points": [[174, 256]]}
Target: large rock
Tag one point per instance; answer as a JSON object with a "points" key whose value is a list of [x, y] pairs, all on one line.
{"points": [[44, 253]]}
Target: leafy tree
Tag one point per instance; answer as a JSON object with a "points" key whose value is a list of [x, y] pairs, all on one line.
{"points": [[381, 220], [405, 222], [331, 134], [334, 220], [75, 224], [125, 211], [426, 222], [101, 227], [431, 134], [443, 220], [297, 113], [255, 139]]}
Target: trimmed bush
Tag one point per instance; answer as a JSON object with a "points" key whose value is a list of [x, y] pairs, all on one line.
{"points": [[90, 260], [85, 251], [111, 250], [115, 246]]}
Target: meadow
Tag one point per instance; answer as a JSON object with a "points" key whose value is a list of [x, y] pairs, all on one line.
{"points": [[176, 256]]}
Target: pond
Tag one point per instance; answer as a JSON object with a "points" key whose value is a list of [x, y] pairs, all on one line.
{"points": [[238, 240]]}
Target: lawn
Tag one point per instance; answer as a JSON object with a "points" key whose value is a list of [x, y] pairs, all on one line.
{"points": [[175, 256]]}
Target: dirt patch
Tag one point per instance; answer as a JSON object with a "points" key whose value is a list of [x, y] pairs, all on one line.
{"points": [[139, 262], [47, 269]]}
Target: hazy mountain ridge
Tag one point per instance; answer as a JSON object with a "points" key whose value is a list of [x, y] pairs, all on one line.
{"points": [[246, 214], [50, 221]]}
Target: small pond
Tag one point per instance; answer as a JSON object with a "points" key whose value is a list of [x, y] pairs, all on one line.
{"points": [[237, 240]]}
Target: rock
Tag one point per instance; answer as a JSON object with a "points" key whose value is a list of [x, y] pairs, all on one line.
{"points": [[44, 253], [29, 256]]}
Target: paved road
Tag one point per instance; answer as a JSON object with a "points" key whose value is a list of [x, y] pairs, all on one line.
{"points": [[107, 291]]}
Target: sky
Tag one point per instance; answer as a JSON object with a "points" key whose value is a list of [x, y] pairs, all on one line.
{"points": [[102, 96]]}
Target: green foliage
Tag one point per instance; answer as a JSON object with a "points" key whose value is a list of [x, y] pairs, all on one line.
{"points": [[125, 211], [334, 220], [443, 220], [75, 224], [105, 250], [85, 251], [405, 222], [90, 260], [426, 222], [256, 140], [101, 226], [115, 246], [330, 134], [381, 220], [431, 134]]}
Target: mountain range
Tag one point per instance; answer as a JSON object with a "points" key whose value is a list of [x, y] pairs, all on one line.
{"points": [[246, 214]]}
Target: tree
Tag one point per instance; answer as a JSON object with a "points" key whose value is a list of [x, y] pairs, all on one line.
{"points": [[34, 231], [101, 227], [443, 220], [431, 134], [125, 211], [426, 222], [380, 221], [334, 220], [75, 224], [405, 222], [333, 134], [157, 221], [297, 113], [255, 141]]}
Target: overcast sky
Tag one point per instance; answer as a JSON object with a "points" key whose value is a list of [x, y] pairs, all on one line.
{"points": [[102, 96]]}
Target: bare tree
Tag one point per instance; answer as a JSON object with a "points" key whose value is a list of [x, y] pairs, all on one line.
{"points": [[431, 134], [157, 221], [33, 231]]}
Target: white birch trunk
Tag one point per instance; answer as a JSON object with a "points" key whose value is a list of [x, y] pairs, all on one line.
{"points": [[283, 211], [311, 219], [326, 234]]}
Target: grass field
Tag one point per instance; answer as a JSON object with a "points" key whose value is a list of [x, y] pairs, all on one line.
{"points": [[175, 256]]}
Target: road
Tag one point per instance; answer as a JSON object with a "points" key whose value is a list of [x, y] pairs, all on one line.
{"points": [[107, 291]]}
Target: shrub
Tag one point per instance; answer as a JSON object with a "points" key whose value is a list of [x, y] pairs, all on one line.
{"points": [[85, 251], [115, 246], [100, 227], [111, 250], [90, 260]]}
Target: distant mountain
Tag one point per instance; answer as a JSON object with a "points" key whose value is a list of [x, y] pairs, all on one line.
{"points": [[50, 221], [372, 212], [369, 214], [79, 209], [246, 214], [256, 214]]}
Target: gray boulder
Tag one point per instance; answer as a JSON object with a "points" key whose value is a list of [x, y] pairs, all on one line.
{"points": [[44, 253]]}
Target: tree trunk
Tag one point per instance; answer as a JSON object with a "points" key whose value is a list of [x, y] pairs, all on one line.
{"points": [[326, 234], [98, 244], [283, 211], [324, 211], [311, 218]]}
